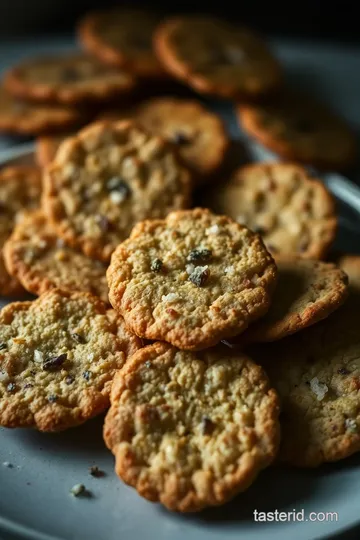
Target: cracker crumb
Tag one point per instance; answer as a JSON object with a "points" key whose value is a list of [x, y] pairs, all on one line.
{"points": [[96, 472], [319, 388], [77, 490]]}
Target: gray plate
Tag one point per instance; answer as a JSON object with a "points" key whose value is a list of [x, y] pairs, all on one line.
{"points": [[34, 493]]}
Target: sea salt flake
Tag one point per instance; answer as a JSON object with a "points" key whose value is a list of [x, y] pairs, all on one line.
{"points": [[319, 388], [117, 197], [91, 356], [214, 229], [351, 425], [189, 268], [229, 270], [171, 297], [38, 356]]}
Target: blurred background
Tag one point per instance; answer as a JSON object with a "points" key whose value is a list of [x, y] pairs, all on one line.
{"points": [[313, 19]]}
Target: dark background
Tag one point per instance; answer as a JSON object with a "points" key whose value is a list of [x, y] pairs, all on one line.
{"points": [[332, 20]]}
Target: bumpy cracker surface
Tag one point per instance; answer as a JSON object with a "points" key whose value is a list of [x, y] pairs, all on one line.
{"points": [[293, 212], [191, 279], [58, 356], [191, 429], [19, 191], [106, 179], [41, 261]]}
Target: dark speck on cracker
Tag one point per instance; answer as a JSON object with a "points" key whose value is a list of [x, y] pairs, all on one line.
{"points": [[179, 138], [207, 425], [103, 222], [343, 371], [199, 255], [11, 387], [156, 265], [87, 375], [78, 337], [118, 185], [54, 362], [199, 275]]}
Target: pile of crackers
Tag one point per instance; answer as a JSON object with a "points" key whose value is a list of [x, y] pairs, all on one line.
{"points": [[199, 299]]}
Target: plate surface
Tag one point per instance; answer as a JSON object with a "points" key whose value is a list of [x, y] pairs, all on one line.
{"points": [[34, 492]]}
